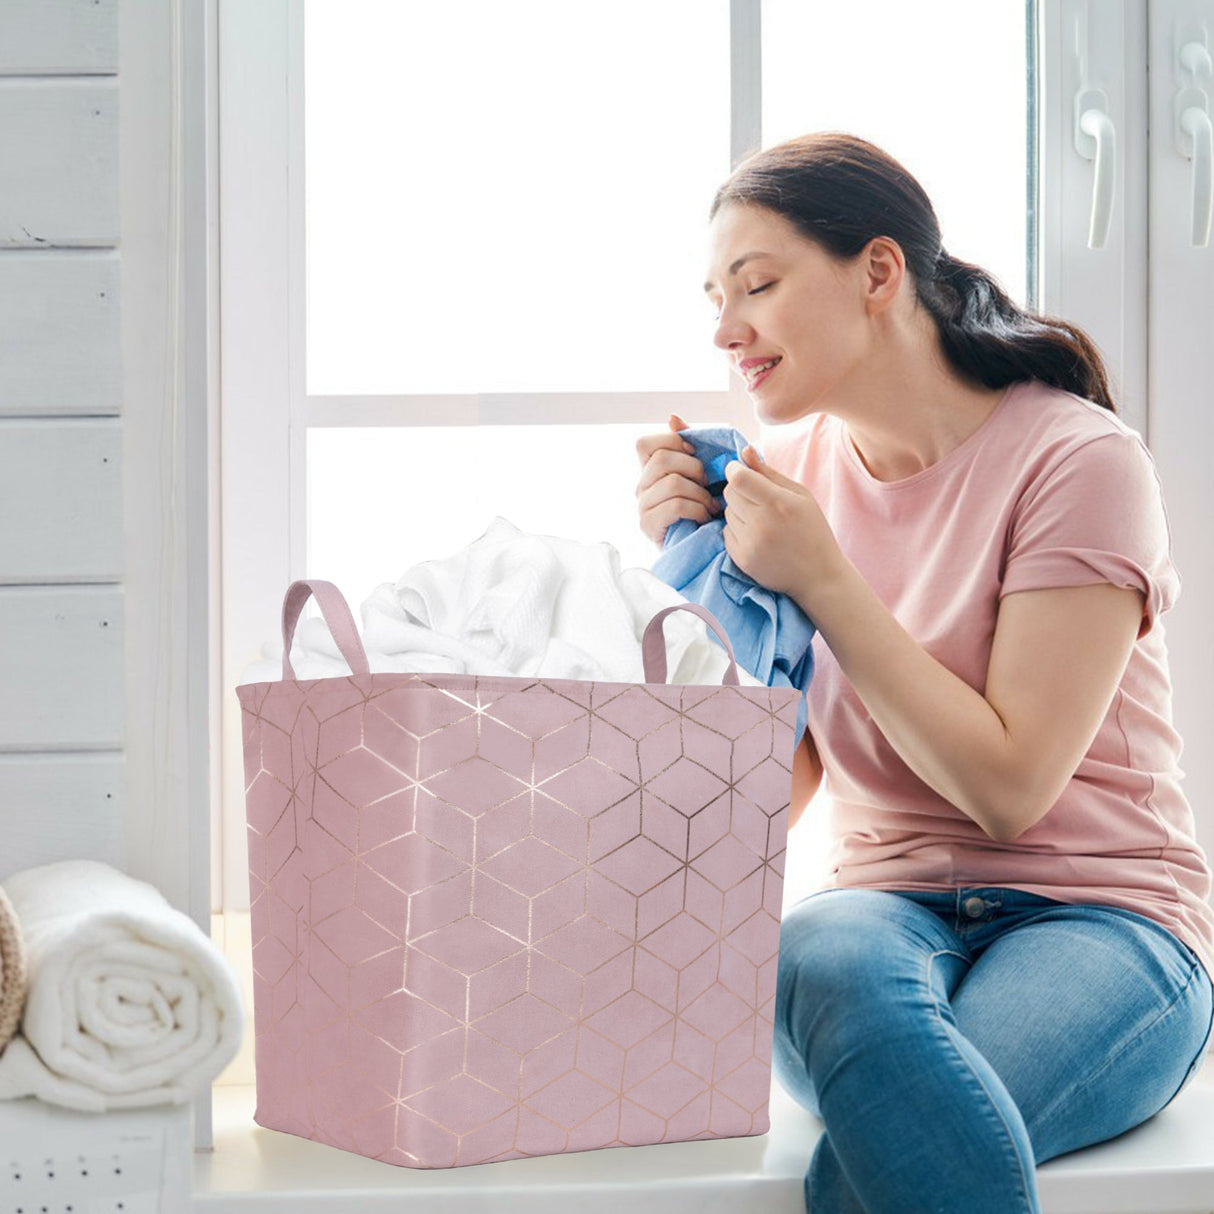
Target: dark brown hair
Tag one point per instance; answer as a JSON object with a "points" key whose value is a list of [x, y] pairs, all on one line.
{"points": [[840, 191]]}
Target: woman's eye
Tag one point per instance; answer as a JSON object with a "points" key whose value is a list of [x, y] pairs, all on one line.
{"points": [[754, 292]]}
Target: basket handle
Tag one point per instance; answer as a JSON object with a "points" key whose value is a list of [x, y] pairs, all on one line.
{"points": [[653, 644], [337, 615], [341, 624]]}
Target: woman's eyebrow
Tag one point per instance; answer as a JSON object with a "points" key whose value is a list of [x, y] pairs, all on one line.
{"points": [[737, 265]]}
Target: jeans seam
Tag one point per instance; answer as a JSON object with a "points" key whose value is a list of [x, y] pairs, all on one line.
{"points": [[1048, 1112], [1024, 1180], [1201, 1049]]}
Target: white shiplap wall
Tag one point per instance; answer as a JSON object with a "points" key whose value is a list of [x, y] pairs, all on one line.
{"points": [[105, 423], [62, 788]]}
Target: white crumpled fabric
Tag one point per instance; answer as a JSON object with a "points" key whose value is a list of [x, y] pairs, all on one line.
{"points": [[514, 603]]}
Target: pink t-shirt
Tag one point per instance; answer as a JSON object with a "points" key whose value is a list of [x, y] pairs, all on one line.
{"points": [[1051, 490]]}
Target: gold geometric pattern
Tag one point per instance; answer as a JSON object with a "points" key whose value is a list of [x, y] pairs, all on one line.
{"points": [[496, 917]]}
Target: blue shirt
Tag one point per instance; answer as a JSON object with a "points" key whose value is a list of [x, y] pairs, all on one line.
{"points": [[770, 634]]}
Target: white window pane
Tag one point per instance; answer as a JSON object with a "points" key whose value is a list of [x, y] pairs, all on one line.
{"points": [[512, 197], [383, 499], [941, 87]]}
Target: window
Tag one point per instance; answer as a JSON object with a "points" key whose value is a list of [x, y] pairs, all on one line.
{"points": [[493, 262], [544, 260]]}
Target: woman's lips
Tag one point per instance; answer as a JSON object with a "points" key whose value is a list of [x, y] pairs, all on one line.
{"points": [[763, 376]]}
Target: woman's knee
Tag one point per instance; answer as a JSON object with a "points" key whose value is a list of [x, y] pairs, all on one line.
{"points": [[827, 940], [1091, 1017]]}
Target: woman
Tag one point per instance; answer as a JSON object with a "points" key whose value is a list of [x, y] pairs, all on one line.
{"points": [[1012, 959]]}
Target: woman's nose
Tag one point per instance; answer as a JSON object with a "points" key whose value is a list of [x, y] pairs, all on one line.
{"points": [[730, 332]]}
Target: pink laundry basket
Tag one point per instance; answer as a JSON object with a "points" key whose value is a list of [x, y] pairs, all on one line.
{"points": [[497, 917]]}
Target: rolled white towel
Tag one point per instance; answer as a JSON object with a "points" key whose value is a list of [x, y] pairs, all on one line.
{"points": [[129, 1002]]}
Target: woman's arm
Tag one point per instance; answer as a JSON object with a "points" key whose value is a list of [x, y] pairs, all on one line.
{"points": [[806, 777], [1002, 757]]}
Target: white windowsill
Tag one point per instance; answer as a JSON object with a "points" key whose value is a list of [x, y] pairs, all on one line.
{"points": [[1165, 1166]]}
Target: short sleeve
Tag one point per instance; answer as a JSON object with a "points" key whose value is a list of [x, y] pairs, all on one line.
{"points": [[1096, 516]]}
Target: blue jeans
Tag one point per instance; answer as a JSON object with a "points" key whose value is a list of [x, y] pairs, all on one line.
{"points": [[950, 1041]]}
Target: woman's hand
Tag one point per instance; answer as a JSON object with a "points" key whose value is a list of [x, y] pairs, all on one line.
{"points": [[775, 531], [672, 484]]}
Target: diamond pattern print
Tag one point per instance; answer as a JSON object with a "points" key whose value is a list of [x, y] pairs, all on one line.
{"points": [[500, 917]]}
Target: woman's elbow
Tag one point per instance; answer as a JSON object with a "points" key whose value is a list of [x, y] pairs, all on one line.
{"points": [[1007, 821], [806, 778]]}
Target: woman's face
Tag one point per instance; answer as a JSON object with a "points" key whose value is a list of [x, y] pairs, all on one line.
{"points": [[794, 304]]}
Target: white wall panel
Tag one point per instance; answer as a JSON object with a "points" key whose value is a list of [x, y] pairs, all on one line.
{"points": [[61, 501], [93, 734], [59, 350], [58, 36], [60, 807], [59, 170], [61, 668]]}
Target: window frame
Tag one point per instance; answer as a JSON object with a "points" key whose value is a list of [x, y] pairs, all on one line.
{"points": [[266, 412], [250, 91]]}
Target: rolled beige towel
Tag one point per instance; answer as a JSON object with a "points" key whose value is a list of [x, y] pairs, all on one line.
{"points": [[14, 971]]}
